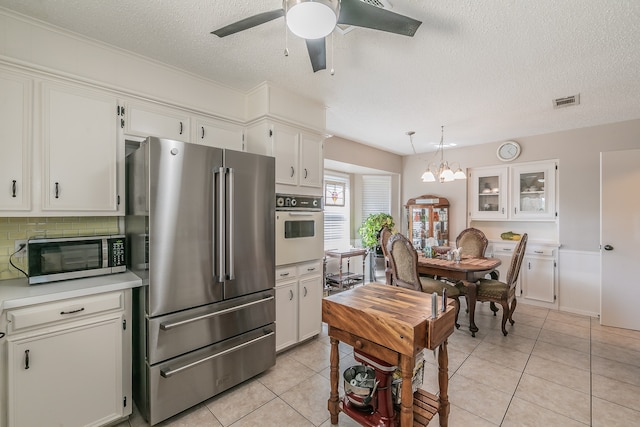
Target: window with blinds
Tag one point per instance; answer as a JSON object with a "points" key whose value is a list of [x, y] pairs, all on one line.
{"points": [[336, 211], [376, 194]]}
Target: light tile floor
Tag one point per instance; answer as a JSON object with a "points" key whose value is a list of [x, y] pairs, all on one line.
{"points": [[553, 369]]}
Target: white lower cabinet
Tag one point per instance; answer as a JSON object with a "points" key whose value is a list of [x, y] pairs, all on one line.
{"points": [[298, 303], [69, 362], [538, 279], [536, 282]]}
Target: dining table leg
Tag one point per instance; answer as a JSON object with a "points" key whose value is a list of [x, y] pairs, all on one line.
{"points": [[472, 293]]}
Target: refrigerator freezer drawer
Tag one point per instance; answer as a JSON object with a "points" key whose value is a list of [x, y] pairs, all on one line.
{"points": [[185, 381], [179, 333]]}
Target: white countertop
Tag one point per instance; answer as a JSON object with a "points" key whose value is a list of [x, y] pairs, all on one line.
{"points": [[18, 293]]}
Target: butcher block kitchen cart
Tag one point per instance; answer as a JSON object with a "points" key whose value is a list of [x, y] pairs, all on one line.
{"points": [[391, 324]]}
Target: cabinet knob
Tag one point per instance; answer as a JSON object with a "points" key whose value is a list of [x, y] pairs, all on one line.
{"points": [[608, 247], [358, 344]]}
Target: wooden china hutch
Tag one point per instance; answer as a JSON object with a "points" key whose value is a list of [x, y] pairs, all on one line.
{"points": [[428, 216]]}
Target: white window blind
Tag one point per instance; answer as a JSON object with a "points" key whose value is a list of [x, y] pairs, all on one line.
{"points": [[376, 194], [336, 218]]}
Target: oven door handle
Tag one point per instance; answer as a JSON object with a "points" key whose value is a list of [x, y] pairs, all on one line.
{"points": [[169, 372], [302, 213]]}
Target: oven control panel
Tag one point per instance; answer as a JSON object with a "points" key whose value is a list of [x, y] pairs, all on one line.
{"points": [[288, 202]]}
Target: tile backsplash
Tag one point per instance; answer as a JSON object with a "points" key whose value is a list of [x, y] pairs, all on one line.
{"points": [[12, 229]]}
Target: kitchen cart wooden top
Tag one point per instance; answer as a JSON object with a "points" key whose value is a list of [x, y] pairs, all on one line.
{"points": [[394, 317]]}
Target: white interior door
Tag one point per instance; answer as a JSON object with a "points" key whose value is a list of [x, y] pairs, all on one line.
{"points": [[620, 238]]}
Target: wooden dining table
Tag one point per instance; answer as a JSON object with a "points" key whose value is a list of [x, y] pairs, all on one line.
{"points": [[468, 270]]}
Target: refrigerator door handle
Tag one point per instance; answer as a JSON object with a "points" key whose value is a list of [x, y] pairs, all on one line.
{"points": [[218, 243], [169, 326], [231, 204], [169, 372]]}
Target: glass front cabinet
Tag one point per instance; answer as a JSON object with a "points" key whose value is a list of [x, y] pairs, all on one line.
{"points": [[533, 194], [489, 193], [518, 192], [428, 216]]}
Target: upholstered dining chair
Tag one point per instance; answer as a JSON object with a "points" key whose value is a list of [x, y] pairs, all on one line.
{"points": [[403, 262], [472, 241], [385, 234], [504, 293]]}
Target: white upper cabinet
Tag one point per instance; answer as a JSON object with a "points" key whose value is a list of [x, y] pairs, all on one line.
{"points": [[298, 153], [311, 160], [525, 191], [533, 195], [15, 136], [143, 120], [79, 150], [488, 190], [217, 133], [286, 151]]}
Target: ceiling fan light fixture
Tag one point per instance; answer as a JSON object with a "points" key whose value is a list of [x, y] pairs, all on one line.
{"points": [[311, 19]]}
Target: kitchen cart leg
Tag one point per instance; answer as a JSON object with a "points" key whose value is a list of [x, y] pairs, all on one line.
{"points": [[406, 405], [443, 383], [334, 398]]}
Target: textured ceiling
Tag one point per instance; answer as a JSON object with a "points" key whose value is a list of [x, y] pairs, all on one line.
{"points": [[487, 70]]}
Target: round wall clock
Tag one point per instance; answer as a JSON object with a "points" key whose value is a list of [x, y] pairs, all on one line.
{"points": [[508, 151]]}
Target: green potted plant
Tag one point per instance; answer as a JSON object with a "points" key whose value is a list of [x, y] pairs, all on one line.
{"points": [[370, 229]]}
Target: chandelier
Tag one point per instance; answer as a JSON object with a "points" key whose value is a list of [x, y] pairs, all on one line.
{"points": [[443, 172]]}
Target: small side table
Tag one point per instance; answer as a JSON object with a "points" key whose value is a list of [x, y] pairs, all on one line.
{"points": [[347, 279]]}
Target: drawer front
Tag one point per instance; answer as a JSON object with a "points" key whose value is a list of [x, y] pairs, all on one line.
{"points": [[540, 251], [179, 333], [308, 268], [185, 381], [285, 273], [65, 310]]}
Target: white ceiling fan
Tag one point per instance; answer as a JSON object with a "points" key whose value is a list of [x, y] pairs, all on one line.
{"points": [[313, 20]]}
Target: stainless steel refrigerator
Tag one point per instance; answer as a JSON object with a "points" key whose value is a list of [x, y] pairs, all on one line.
{"points": [[200, 225]]}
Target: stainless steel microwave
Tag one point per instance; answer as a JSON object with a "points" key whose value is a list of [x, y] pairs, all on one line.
{"points": [[75, 257]]}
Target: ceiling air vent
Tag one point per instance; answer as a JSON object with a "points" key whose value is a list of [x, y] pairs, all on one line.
{"points": [[382, 4], [566, 102]]}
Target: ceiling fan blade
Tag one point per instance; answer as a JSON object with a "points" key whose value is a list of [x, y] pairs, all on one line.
{"points": [[250, 22], [360, 14], [317, 53]]}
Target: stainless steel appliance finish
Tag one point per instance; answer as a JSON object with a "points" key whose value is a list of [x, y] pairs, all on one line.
{"points": [[299, 228], [200, 226], [64, 258]]}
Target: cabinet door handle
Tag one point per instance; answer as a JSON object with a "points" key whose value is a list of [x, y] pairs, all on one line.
{"points": [[180, 128], [284, 274], [62, 313], [305, 291], [57, 190], [305, 173], [26, 359], [202, 137], [311, 269], [503, 210], [538, 252], [13, 188], [292, 171], [122, 123], [290, 295]]}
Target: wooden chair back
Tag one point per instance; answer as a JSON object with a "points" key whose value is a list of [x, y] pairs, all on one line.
{"points": [[516, 261], [473, 242], [403, 261], [385, 234]]}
